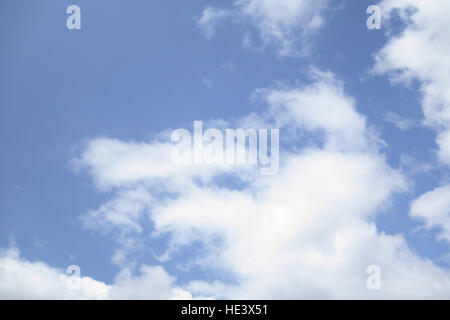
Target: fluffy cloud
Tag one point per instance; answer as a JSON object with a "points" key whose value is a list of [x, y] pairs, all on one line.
{"points": [[113, 163], [22, 279], [304, 233], [323, 108], [307, 232], [434, 208], [285, 24], [153, 283], [421, 52]]}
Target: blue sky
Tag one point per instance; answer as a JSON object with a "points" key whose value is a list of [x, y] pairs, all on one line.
{"points": [[139, 68]]}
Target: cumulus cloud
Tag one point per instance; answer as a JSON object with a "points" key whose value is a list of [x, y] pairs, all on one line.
{"points": [[113, 163], [153, 283], [420, 52], [287, 24], [22, 279], [321, 107], [434, 208], [304, 233], [307, 232]]}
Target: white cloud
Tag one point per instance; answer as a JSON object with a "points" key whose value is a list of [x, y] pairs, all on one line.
{"points": [[321, 107], [443, 140], [131, 169], [400, 122], [304, 233], [123, 211], [22, 279], [153, 283], [421, 52], [434, 208], [209, 19], [207, 83], [114, 163], [286, 24], [334, 267], [122, 215], [307, 232], [412, 166]]}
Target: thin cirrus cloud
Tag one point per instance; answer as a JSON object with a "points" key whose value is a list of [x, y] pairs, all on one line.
{"points": [[398, 121]]}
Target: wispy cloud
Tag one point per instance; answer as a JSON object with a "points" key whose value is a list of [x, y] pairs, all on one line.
{"points": [[287, 25], [400, 122], [207, 82], [210, 18]]}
